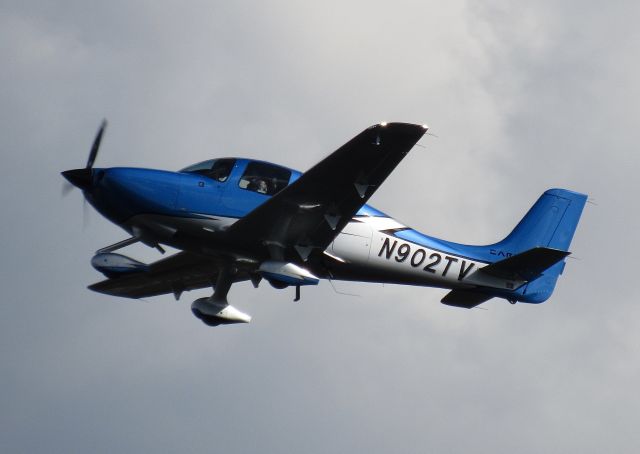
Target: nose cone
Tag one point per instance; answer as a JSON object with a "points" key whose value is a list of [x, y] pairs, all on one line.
{"points": [[80, 178]]}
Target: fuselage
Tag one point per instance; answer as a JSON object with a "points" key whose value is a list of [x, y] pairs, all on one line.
{"points": [[185, 209]]}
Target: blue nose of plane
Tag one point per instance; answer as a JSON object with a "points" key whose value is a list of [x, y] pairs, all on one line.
{"points": [[120, 193], [123, 192], [143, 186]]}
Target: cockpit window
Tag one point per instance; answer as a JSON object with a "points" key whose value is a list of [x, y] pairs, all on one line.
{"points": [[199, 167], [221, 169], [264, 178], [217, 169]]}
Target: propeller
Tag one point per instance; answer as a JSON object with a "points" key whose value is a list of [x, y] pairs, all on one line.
{"points": [[96, 144], [67, 188], [82, 178]]}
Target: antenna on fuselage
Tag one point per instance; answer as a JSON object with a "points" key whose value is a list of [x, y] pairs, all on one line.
{"points": [[342, 293]]}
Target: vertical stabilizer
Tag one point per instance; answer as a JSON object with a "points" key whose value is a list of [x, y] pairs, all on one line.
{"points": [[550, 223]]}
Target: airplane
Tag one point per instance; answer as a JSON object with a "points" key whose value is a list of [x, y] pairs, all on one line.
{"points": [[236, 219]]}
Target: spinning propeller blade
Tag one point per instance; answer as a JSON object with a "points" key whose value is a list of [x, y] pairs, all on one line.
{"points": [[66, 188], [96, 144], [82, 178]]}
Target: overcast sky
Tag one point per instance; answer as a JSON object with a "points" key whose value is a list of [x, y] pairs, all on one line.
{"points": [[522, 96]]}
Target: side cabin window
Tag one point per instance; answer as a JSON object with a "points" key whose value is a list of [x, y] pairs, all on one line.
{"points": [[264, 178], [217, 169]]}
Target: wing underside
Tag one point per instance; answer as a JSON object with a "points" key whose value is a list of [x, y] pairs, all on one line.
{"points": [[181, 272]]}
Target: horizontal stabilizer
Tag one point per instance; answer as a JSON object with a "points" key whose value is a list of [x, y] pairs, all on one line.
{"points": [[465, 298], [527, 265]]}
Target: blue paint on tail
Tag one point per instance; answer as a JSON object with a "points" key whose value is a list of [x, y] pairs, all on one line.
{"points": [[551, 222]]}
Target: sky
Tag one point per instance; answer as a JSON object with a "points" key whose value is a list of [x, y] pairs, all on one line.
{"points": [[520, 97]]}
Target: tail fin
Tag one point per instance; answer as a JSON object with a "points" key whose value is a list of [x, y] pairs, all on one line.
{"points": [[550, 223]]}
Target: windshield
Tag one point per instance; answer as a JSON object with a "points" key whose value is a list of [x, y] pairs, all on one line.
{"points": [[217, 169]]}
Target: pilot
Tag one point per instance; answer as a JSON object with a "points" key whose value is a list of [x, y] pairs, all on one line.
{"points": [[262, 187]]}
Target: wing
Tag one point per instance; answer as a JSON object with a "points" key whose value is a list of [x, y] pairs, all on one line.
{"points": [[175, 274], [310, 212]]}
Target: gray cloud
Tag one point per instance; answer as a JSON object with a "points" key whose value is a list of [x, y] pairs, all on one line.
{"points": [[522, 98]]}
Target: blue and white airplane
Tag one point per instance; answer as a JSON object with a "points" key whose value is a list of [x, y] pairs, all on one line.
{"points": [[237, 219]]}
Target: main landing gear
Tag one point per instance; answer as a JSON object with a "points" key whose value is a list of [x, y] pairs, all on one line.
{"points": [[215, 310]]}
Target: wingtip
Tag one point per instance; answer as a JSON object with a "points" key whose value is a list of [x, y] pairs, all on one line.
{"points": [[400, 126]]}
